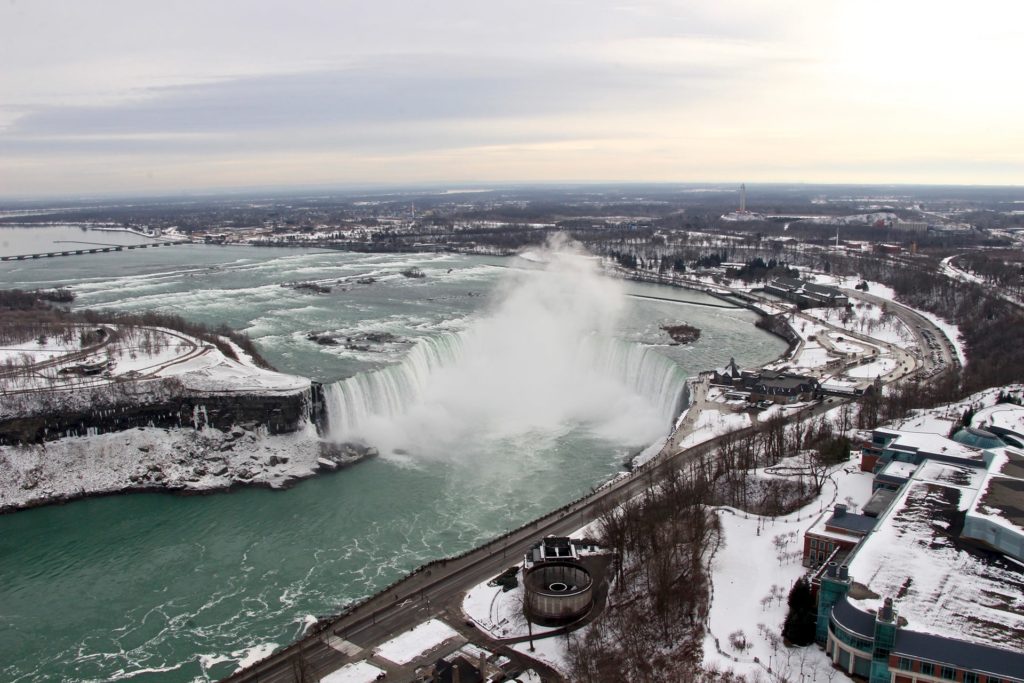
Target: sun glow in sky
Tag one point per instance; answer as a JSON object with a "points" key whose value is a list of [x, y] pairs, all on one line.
{"points": [[114, 96]]}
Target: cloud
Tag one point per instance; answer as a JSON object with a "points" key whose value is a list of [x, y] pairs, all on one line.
{"points": [[556, 89], [388, 102]]}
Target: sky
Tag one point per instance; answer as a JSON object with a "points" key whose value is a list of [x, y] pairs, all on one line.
{"points": [[140, 96]]}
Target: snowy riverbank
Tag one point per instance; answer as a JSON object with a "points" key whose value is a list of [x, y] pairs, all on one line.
{"points": [[153, 459]]}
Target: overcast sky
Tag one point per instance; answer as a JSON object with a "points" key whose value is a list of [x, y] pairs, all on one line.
{"points": [[138, 96]]}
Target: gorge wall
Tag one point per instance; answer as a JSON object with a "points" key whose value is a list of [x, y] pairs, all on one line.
{"points": [[277, 413]]}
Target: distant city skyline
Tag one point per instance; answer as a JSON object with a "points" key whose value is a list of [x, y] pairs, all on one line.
{"points": [[142, 97]]}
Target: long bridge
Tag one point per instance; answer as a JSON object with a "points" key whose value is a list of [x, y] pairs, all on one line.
{"points": [[93, 250]]}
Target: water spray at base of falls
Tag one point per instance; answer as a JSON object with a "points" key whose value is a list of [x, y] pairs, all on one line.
{"points": [[544, 362]]}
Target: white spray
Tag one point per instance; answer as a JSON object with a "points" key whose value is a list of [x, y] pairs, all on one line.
{"points": [[542, 363]]}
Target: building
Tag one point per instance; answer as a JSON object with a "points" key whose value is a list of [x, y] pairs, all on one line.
{"points": [[912, 448], [839, 531], [1005, 420], [728, 376], [910, 226], [934, 590], [766, 385], [806, 294], [558, 587], [782, 387]]}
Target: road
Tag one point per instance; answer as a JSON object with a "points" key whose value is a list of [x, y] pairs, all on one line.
{"points": [[937, 352]]}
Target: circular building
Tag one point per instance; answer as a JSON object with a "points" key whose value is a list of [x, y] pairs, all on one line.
{"points": [[557, 592]]}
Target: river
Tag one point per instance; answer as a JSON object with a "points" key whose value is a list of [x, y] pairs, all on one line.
{"points": [[177, 588]]}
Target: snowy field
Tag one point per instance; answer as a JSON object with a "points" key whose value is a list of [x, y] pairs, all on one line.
{"points": [[879, 368], [499, 612], [59, 362], [713, 422], [753, 571], [951, 331], [551, 651], [868, 319]]}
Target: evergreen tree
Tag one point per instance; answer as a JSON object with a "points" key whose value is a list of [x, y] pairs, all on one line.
{"points": [[798, 629], [968, 415]]}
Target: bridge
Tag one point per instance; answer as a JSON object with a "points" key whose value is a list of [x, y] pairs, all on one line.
{"points": [[79, 252]]}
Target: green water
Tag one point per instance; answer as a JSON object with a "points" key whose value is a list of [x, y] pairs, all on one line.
{"points": [[179, 588]]}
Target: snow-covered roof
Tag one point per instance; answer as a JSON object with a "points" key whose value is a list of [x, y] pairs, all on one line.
{"points": [[851, 522], [1006, 416], [900, 470], [999, 505], [926, 423], [934, 444], [970, 479], [939, 586]]}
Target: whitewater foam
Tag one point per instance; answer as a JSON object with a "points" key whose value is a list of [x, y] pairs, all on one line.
{"points": [[543, 363]]}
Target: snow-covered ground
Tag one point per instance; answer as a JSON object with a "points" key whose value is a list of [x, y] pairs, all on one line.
{"points": [[956, 273], [712, 422], [878, 368], [951, 331], [752, 573], [552, 651], [868, 319], [153, 458], [54, 363], [141, 367], [499, 612]]}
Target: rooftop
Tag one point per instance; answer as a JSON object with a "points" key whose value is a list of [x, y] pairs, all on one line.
{"points": [[927, 423], [941, 586], [898, 469], [978, 658], [948, 474], [1000, 501], [788, 382], [934, 444], [878, 503], [788, 282], [1006, 416], [852, 522]]}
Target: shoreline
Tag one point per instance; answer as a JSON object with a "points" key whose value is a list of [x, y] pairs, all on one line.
{"points": [[181, 461], [206, 447], [231, 487]]}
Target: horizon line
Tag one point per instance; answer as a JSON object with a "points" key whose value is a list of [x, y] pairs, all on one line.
{"points": [[454, 186]]}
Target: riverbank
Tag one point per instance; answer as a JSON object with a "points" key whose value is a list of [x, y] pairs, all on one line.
{"points": [[150, 459], [163, 411]]}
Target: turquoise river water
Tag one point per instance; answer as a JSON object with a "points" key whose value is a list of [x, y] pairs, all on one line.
{"points": [[182, 588]]}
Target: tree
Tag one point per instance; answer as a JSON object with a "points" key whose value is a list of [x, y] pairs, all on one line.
{"points": [[799, 627]]}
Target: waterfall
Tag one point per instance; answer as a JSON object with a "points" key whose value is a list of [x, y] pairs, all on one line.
{"points": [[542, 364], [389, 391], [451, 378]]}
